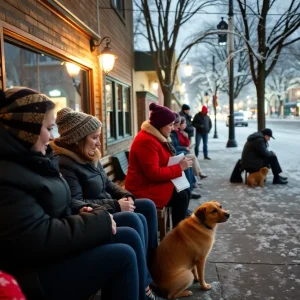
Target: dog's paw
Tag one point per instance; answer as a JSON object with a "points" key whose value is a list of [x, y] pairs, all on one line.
{"points": [[206, 287]]}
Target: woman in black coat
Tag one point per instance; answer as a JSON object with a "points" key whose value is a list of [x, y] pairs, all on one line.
{"points": [[57, 248]]}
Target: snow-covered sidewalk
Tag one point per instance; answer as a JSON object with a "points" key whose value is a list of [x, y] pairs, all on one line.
{"points": [[257, 252]]}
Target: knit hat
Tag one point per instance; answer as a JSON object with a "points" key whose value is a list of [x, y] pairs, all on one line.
{"points": [[160, 116], [268, 132], [22, 112], [185, 107], [73, 125], [204, 110], [177, 118]]}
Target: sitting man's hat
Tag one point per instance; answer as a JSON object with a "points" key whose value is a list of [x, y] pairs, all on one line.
{"points": [[268, 132]]}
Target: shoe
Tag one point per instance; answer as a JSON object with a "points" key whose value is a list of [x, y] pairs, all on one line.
{"points": [[203, 176], [283, 178], [153, 296], [195, 195], [279, 181], [207, 158]]}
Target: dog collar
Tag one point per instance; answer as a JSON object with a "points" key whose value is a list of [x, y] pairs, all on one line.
{"points": [[206, 226]]}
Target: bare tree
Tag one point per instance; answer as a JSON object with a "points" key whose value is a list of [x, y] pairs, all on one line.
{"points": [[274, 32], [277, 85], [163, 21]]}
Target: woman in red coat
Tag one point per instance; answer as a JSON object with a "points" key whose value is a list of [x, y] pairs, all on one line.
{"points": [[148, 175]]}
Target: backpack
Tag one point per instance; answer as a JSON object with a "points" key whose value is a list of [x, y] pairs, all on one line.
{"points": [[236, 175]]}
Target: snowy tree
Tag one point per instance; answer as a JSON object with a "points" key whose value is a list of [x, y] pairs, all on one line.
{"points": [[276, 23], [163, 20]]}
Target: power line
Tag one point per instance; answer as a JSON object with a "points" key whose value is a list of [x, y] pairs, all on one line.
{"points": [[199, 12]]}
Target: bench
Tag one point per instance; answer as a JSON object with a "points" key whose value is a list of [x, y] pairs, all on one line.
{"points": [[115, 167]]}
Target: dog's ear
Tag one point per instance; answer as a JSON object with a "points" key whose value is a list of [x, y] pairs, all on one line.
{"points": [[200, 213]]}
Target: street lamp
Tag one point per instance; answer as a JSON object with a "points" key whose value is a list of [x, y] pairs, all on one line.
{"points": [[231, 137], [106, 56], [215, 102], [188, 70]]}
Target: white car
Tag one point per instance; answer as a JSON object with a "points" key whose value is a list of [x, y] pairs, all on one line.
{"points": [[240, 118]]}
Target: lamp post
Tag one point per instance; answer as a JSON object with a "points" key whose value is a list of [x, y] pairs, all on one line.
{"points": [[231, 139], [215, 101]]}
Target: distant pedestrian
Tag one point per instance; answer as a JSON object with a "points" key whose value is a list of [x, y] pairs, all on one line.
{"points": [[185, 112], [202, 123], [256, 155]]}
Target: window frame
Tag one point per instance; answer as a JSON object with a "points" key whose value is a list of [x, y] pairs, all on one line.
{"points": [[116, 120], [120, 13]]}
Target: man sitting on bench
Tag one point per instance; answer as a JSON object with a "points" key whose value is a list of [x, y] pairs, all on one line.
{"points": [[256, 155]]}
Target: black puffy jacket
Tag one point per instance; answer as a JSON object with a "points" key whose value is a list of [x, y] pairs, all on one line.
{"points": [[88, 182], [37, 221], [255, 152], [202, 123]]}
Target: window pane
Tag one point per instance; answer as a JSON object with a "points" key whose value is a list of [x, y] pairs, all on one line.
{"points": [[46, 74], [126, 105], [110, 114], [120, 108]]}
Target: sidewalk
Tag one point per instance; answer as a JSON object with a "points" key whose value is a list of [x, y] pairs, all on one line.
{"points": [[256, 254]]}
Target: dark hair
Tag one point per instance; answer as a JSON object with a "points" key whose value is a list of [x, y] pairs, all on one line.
{"points": [[182, 120]]}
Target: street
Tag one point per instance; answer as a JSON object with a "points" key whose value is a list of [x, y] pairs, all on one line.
{"points": [[256, 253]]}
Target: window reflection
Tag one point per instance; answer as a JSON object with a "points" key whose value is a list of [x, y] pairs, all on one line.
{"points": [[46, 74]]}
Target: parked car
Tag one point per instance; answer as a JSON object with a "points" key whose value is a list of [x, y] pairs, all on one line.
{"points": [[240, 118]]}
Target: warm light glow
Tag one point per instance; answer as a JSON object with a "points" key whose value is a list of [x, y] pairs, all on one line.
{"points": [[54, 93], [155, 85], [107, 61], [73, 70], [188, 70], [182, 88]]}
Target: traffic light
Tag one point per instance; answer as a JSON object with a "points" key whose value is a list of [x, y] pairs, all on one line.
{"points": [[222, 36]]}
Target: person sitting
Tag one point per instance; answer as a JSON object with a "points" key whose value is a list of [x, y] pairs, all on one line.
{"points": [[77, 148], [79, 164], [183, 141], [148, 172], [55, 246], [189, 128], [256, 155]]}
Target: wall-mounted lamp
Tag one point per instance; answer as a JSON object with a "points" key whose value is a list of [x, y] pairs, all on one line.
{"points": [[155, 85], [106, 56]]}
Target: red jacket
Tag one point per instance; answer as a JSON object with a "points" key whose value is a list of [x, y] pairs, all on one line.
{"points": [[148, 175], [183, 140]]}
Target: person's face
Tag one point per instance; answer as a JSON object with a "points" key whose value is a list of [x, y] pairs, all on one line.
{"points": [[45, 134], [267, 138], [187, 111], [183, 126], [176, 125], [166, 130], [92, 142]]}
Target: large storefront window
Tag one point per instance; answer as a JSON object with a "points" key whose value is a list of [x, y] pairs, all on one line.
{"points": [[46, 74], [118, 119]]}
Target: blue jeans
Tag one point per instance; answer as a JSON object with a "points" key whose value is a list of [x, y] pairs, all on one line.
{"points": [[200, 136], [113, 265]]}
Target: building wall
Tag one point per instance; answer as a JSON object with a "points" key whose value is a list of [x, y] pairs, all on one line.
{"points": [[39, 26]]}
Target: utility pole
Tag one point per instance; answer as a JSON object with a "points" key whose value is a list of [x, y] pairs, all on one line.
{"points": [[215, 100], [231, 140]]}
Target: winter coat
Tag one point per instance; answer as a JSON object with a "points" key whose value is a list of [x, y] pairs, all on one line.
{"points": [[38, 224], [189, 127], [148, 175], [176, 143], [183, 140], [255, 152], [88, 181], [202, 123]]}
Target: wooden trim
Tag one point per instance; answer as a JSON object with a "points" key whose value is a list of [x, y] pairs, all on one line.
{"points": [[122, 18], [26, 38], [61, 11], [2, 61]]}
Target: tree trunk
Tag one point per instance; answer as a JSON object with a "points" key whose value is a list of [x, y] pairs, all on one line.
{"points": [[260, 92], [167, 97], [280, 109]]}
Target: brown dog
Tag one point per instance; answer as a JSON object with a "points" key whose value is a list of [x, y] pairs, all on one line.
{"points": [[181, 256], [258, 177]]}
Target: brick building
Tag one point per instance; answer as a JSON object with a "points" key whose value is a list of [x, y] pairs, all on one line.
{"points": [[39, 37]]}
